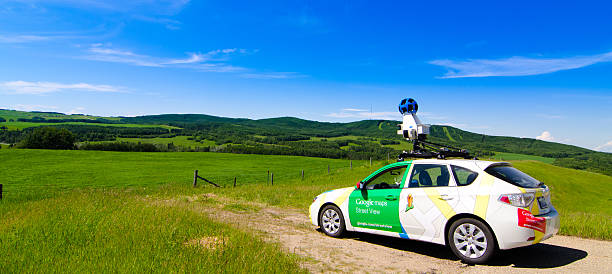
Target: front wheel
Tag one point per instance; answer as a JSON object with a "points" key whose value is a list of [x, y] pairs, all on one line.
{"points": [[471, 240], [332, 221]]}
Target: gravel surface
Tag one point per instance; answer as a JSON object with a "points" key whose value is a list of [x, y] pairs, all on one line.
{"points": [[361, 253]]}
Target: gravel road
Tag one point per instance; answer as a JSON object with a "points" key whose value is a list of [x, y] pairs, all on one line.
{"points": [[363, 253]]}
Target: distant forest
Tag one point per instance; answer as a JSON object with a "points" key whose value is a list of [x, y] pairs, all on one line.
{"points": [[293, 136]]}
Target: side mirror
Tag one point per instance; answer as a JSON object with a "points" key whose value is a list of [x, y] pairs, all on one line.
{"points": [[359, 185]]}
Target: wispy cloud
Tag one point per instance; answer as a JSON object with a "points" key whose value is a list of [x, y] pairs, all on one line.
{"points": [[607, 147], [25, 107], [170, 24], [24, 87], [517, 65], [365, 114], [77, 110], [18, 39], [165, 7], [354, 109], [550, 116], [272, 75], [210, 61], [194, 58]]}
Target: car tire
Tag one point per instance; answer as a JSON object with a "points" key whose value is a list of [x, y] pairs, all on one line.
{"points": [[331, 221], [471, 240]]}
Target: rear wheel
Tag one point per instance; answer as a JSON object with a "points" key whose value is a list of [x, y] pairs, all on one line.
{"points": [[331, 221], [471, 240]]}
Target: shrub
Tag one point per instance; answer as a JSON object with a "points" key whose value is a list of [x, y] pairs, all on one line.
{"points": [[48, 138]]}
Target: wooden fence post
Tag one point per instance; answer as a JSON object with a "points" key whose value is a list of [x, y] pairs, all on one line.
{"points": [[195, 178], [387, 156], [327, 169], [370, 161], [302, 174], [234, 181], [272, 176], [268, 180]]}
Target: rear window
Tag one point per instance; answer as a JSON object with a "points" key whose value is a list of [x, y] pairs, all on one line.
{"points": [[513, 176]]}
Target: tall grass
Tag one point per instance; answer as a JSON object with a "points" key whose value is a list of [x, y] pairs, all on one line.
{"points": [[116, 231], [37, 174]]}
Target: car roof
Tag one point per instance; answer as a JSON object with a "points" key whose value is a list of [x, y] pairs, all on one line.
{"points": [[461, 162]]}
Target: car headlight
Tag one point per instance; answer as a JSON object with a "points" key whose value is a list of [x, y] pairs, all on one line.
{"points": [[519, 200]]}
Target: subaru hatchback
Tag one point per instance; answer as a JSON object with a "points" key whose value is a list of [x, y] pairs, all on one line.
{"points": [[474, 207]]}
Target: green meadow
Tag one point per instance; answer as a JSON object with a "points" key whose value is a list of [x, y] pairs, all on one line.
{"points": [[177, 140], [22, 125], [506, 156], [92, 210]]}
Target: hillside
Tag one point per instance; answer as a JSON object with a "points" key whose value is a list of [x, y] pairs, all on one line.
{"points": [[284, 136]]}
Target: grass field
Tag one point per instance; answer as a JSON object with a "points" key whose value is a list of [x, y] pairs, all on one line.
{"points": [[36, 174], [118, 231], [178, 141], [90, 210], [22, 125], [506, 156]]}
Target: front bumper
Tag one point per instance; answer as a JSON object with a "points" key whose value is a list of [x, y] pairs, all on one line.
{"points": [[313, 212]]}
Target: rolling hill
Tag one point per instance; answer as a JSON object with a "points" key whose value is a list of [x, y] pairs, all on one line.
{"points": [[287, 136]]}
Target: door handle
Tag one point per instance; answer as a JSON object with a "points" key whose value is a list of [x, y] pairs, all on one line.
{"points": [[445, 197], [391, 198]]}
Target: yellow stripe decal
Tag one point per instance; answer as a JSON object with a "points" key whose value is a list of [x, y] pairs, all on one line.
{"points": [[442, 205], [538, 236], [482, 201], [343, 197]]}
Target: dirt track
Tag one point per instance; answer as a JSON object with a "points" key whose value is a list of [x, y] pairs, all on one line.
{"points": [[370, 253]]}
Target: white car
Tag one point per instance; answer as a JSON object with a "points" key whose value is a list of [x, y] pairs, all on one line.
{"points": [[474, 207]]}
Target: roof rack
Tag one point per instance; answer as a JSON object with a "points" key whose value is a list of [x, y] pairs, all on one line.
{"points": [[423, 149]]}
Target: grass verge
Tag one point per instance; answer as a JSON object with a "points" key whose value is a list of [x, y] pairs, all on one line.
{"points": [[118, 231]]}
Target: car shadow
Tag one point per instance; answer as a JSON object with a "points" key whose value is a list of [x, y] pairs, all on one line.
{"points": [[535, 256]]}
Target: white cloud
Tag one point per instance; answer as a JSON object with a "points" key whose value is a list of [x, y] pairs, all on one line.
{"points": [[517, 65], [607, 147], [165, 7], [364, 114], [24, 107], [550, 116], [194, 58], [77, 110], [272, 75], [16, 39], [24, 87], [545, 136], [212, 61], [170, 24], [198, 61], [354, 109]]}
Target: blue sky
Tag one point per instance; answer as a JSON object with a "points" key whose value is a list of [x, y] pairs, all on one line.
{"points": [[520, 68]]}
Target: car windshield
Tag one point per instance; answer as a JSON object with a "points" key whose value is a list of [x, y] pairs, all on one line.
{"points": [[513, 176]]}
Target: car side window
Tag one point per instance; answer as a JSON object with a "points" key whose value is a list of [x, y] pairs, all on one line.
{"points": [[429, 175], [463, 176], [387, 179]]}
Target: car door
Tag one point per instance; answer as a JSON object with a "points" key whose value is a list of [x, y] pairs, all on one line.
{"points": [[427, 201], [375, 204]]}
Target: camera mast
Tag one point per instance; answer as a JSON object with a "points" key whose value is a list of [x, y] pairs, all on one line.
{"points": [[413, 130]]}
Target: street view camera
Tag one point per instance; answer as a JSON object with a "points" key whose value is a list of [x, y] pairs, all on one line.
{"points": [[413, 130]]}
